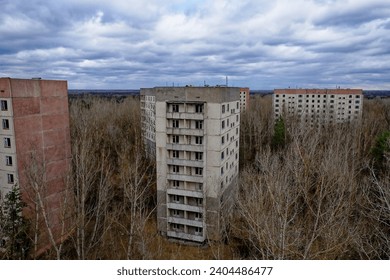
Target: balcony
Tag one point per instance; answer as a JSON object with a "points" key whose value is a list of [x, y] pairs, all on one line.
{"points": [[182, 192], [188, 178], [184, 207], [184, 115], [183, 221], [184, 147], [185, 162], [183, 235], [185, 131]]}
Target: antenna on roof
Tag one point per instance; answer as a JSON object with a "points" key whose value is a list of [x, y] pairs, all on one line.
{"points": [[227, 81]]}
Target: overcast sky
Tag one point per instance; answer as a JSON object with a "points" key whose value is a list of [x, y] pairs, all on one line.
{"points": [[262, 44]]}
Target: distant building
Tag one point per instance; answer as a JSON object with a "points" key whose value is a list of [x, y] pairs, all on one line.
{"points": [[36, 142], [316, 106], [244, 99], [197, 153]]}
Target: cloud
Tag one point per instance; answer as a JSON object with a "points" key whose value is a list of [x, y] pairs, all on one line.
{"points": [[261, 44]]}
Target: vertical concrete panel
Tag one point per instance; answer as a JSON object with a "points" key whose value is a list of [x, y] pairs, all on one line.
{"points": [[5, 88], [25, 88], [53, 88]]}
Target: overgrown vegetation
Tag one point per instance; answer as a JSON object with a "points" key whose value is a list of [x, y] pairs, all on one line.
{"points": [[13, 227], [323, 194], [318, 196]]}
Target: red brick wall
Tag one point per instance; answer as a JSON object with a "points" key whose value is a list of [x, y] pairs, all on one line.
{"points": [[41, 124]]}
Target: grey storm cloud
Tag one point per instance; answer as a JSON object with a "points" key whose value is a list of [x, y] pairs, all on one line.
{"points": [[257, 43]]}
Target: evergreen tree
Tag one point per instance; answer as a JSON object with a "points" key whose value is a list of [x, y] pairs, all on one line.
{"points": [[379, 150], [13, 226], [279, 137]]}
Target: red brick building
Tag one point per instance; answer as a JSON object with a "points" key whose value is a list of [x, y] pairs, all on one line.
{"points": [[244, 99], [36, 148]]}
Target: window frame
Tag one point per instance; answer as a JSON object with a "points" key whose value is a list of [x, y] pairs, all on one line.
{"points": [[4, 105]]}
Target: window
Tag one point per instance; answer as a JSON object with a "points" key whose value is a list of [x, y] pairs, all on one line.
{"points": [[223, 140], [227, 122], [199, 124], [4, 105], [10, 178], [199, 140], [5, 124], [198, 171], [237, 131], [175, 108], [200, 186], [237, 118], [357, 101], [176, 198], [199, 201], [223, 124], [175, 227], [199, 108], [175, 123], [175, 213], [198, 230], [221, 170], [8, 160], [237, 105], [175, 139], [7, 142], [175, 168], [198, 155], [198, 216], [175, 154], [223, 109], [222, 155], [176, 184]]}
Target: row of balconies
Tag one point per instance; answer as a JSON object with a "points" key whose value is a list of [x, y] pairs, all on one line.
{"points": [[185, 116], [185, 147], [186, 131], [184, 193], [181, 234], [185, 177], [185, 162], [183, 221], [186, 200]]}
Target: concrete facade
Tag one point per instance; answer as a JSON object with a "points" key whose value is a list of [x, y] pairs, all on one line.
{"points": [[35, 131], [148, 119], [197, 153], [319, 106]]}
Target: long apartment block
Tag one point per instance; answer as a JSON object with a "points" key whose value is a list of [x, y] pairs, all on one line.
{"points": [[36, 144], [315, 106], [197, 153]]}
